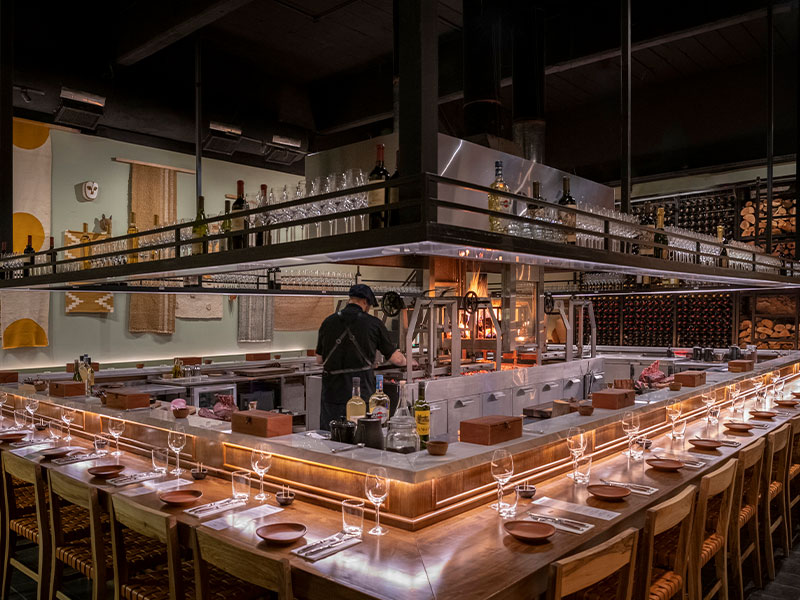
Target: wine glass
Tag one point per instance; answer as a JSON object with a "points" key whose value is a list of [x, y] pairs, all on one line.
{"points": [[630, 425], [3, 400], [576, 442], [31, 406], [261, 460], [116, 427], [674, 412], [55, 430], [20, 418], [779, 387], [376, 486], [502, 470], [176, 441], [68, 416]]}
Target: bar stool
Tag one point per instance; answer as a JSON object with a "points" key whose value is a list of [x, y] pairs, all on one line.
{"points": [[661, 573], [792, 481], [603, 572], [744, 516], [773, 499], [710, 530], [257, 571]]}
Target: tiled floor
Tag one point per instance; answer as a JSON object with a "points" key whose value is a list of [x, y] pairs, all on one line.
{"points": [[787, 582]]}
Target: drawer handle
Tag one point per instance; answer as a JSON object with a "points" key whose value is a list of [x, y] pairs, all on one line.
{"points": [[550, 386], [435, 408], [463, 403], [573, 381]]}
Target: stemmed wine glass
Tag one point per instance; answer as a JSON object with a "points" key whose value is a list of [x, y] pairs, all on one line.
{"points": [[176, 441], [674, 412], [502, 470], [31, 406], [116, 427], [735, 391], [630, 425], [261, 461], [576, 442], [779, 387], [68, 416], [3, 400], [376, 486]]}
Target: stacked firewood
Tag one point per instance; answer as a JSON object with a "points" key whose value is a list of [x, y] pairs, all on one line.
{"points": [[782, 217], [768, 334]]}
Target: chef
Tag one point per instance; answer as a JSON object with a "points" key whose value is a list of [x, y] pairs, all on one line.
{"points": [[347, 346]]}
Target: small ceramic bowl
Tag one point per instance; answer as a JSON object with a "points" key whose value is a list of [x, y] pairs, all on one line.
{"points": [[437, 448], [199, 474], [526, 490], [675, 386], [40, 386], [180, 413], [284, 499], [585, 408]]}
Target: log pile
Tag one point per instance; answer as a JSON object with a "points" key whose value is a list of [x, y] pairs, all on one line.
{"points": [[783, 306], [783, 221], [768, 334]]}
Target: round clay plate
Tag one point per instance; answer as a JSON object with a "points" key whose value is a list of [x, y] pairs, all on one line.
{"points": [[706, 444], [180, 497], [608, 492], [106, 471], [665, 464], [56, 452], [281, 533], [786, 403], [529, 531], [762, 414], [796, 394], [738, 426], [12, 436]]}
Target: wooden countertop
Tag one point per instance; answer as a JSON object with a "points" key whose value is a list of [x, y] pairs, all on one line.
{"points": [[465, 557]]}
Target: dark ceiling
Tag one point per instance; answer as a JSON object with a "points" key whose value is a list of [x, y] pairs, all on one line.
{"points": [[322, 70]]}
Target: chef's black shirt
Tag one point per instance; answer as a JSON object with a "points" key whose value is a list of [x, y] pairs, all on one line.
{"points": [[370, 334]]}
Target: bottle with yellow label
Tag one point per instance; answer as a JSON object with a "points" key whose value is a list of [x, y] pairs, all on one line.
{"points": [[422, 415], [133, 243]]}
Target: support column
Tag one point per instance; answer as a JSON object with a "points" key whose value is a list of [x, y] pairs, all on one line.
{"points": [[198, 119], [481, 68], [625, 105], [528, 77], [6, 122], [770, 123]]}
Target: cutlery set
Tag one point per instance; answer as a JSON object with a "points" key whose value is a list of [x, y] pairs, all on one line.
{"points": [[215, 507], [636, 488], [567, 525], [314, 549]]}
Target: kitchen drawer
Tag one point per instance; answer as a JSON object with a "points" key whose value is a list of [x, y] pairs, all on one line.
{"points": [[524, 396], [573, 388], [549, 391], [438, 419], [496, 403], [598, 382], [461, 409]]}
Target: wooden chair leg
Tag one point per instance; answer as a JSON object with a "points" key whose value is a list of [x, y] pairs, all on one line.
{"points": [[784, 526], [769, 555], [736, 579], [8, 546], [56, 574], [722, 572], [755, 557], [44, 575]]}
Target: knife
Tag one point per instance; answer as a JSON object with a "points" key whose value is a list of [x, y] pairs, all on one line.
{"points": [[561, 521], [319, 543], [630, 486], [326, 547]]}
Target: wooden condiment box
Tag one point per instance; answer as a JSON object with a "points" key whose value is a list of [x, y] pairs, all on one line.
{"points": [[740, 366], [71, 367], [691, 378], [254, 356], [9, 377], [263, 423], [491, 430], [127, 398], [613, 398], [65, 389], [190, 360]]}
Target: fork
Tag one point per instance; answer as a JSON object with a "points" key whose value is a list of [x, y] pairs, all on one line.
{"points": [[319, 544]]}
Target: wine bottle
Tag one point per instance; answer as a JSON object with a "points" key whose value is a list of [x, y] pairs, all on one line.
{"points": [[133, 243], [225, 226], [356, 407], [237, 222], [86, 251], [76, 373], [199, 229], [155, 254], [567, 218], [29, 258], [377, 197], [723, 253], [262, 236], [379, 401], [51, 255], [498, 203], [422, 416], [660, 237]]}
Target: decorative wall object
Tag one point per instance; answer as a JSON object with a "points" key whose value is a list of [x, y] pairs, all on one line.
{"points": [[302, 314], [24, 319], [89, 190], [198, 306], [32, 184], [88, 303], [255, 319], [152, 313]]}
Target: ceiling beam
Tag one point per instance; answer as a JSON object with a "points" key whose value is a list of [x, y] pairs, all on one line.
{"points": [[152, 35]]}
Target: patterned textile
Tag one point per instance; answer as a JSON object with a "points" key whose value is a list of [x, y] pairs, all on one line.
{"points": [[198, 306], [74, 524], [665, 585], [152, 313], [302, 314], [255, 319], [24, 319], [711, 545], [85, 302], [32, 165]]}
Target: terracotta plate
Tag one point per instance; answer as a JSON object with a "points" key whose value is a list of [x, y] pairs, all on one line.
{"points": [[665, 464], [608, 492], [180, 497], [529, 531], [281, 533], [705, 444], [12, 436], [106, 471], [735, 426], [762, 414], [787, 403], [796, 394], [56, 452]]}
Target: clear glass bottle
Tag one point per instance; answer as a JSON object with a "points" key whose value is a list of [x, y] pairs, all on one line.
{"points": [[379, 401], [402, 433], [498, 203], [356, 407]]}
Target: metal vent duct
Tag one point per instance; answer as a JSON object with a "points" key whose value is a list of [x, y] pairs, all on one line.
{"points": [[222, 138], [79, 109]]}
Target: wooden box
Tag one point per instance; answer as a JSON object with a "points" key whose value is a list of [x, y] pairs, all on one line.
{"points": [[691, 378], [613, 398], [9, 377], [190, 360], [491, 430], [254, 356], [65, 389], [262, 423], [127, 398], [71, 367], [740, 366]]}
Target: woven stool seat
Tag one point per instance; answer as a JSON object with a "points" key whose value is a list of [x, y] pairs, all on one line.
{"points": [[141, 553], [602, 590], [711, 545], [794, 471], [775, 488], [666, 584], [747, 512], [153, 584], [74, 524]]}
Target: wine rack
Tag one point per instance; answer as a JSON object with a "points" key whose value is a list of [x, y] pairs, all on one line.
{"points": [[704, 213], [647, 320], [607, 320], [754, 217], [648, 209], [769, 321], [704, 320]]}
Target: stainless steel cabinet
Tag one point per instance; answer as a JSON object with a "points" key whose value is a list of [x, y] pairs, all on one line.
{"points": [[496, 403], [573, 388], [461, 409], [549, 391], [523, 396], [438, 418]]}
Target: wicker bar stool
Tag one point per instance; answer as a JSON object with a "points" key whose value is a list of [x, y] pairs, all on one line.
{"points": [[793, 482], [664, 546], [744, 516], [604, 572], [256, 571], [710, 532], [773, 499]]}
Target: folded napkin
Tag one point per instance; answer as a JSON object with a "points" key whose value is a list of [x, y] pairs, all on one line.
{"points": [[635, 488], [134, 478], [26, 443], [214, 508], [69, 460], [238, 519], [328, 548]]}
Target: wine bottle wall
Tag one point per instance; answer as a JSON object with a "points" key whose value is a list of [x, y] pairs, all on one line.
{"points": [[704, 320], [647, 320]]}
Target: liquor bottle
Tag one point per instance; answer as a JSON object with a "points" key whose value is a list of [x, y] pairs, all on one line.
{"points": [[660, 237], [377, 197], [261, 236], [225, 227], [28, 260], [199, 229], [645, 248], [155, 254], [498, 203], [379, 401], [76, 374], [84, 371], [723, 253], [237, 222], [86, 251], [133, 243], [568, 219], [89, 372], [422, 415], [356, 407], [537, 215]]}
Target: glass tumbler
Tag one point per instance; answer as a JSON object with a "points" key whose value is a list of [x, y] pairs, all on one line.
{"points": [[160, 458], [353, 516], [240, 484]]}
